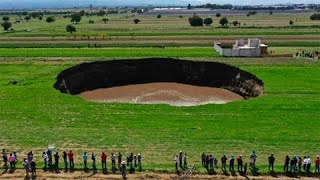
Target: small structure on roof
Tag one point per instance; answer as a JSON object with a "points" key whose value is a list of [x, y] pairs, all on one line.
{"points": [[251, 48]]}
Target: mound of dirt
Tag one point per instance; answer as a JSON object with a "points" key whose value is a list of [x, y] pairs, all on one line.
{"points": [[108, 74], [162, 93]]}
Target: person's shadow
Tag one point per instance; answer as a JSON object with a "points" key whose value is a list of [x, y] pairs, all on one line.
{"points": [[233, 173], [104, 171], [5, 170], [211, 172], [273, 174], [12, 170]]}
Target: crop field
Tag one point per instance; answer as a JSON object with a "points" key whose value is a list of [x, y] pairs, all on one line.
{"points": [[284, 120]]}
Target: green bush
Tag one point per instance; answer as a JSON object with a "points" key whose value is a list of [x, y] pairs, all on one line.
{"points": [[196, 21], [208, 21]]}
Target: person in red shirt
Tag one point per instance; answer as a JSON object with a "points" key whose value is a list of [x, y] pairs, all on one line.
{"points": [[317, 161], [70, 156], [104, 160], [240, 162]]}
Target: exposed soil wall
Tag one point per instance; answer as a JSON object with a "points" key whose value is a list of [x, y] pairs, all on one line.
{"points": [[90, 76]]}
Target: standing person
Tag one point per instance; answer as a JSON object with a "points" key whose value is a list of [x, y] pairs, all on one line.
{"points": [[33, 168], [45, 160], [231, 165], [49, 153], [180, 159], [135, 161], [176, 160], [93, 158], [252, 159], [26, 166], [286, 164], [317, 163], [56, 161], [292, 165], [85, 160], [240, 162], [4, 157], [104, 160], [203, 159], [119, 159], [271, 160], [71, 162], [300, 161], [305, 163], [185, 165], [123, 170], [224, 163], [207, 161], [113, 161], [131, 161], [65, 161], [308, 164], [16, 157], [211, 159], [12, 161], [139, 161]]}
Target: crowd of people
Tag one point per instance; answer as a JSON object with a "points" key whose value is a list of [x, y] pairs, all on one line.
{"points": [[313, 55], [181, 161], [51, 162], [292, 166]]}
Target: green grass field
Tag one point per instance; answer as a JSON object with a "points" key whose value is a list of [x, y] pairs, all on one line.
{"points": [[283, 121]]}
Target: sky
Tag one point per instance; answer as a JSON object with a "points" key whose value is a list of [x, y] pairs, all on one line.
{"points": [[8, 4]]}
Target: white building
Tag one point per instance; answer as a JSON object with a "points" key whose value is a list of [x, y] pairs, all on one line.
{"points": [[251, 48]]}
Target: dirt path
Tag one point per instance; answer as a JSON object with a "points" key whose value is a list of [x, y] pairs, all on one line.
{"points": [[162, 93], [20, 174]]}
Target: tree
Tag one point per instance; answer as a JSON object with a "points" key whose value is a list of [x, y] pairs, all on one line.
{"points": [[50, 19], [40, 18], [208, 21], [105, 20], [195, 20], [218, 15], [136, 21], [5, 18], [102, 13], [189, 6], [224, 21], [76, 17], [291, 22], [70, 28], [159, 16], [235, 23], [6, 25], [82, 13], [315, 17], [271, 12], [27, 18]]}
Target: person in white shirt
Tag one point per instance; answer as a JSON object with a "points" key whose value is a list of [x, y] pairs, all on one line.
{"points": [[45, 160], [308, 164], [305, 164], [176, 159]]}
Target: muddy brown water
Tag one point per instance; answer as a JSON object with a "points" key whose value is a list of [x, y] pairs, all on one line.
{"points": [[173, 94]]}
